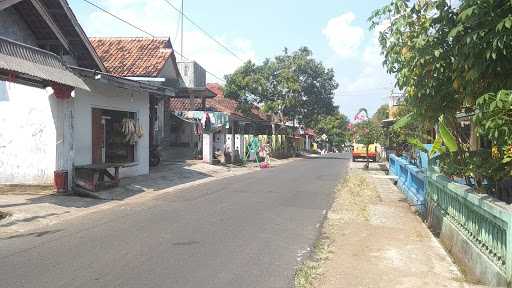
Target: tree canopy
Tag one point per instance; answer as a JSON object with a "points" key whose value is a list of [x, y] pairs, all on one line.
{"points": [[335, 127], [381, 114], [453, 63], [445, 57], [289, 86]]}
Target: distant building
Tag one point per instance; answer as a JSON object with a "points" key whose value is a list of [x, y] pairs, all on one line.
{"points": [[193, 74], [395, 99]]}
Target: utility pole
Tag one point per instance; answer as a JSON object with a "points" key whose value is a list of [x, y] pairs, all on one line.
{"points": [[182, 13]]}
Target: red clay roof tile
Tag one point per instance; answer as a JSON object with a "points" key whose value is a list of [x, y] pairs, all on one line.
{"points": [[219, 104], [136, 57]]}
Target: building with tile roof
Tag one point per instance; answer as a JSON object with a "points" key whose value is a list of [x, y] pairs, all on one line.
{"points": [[219, 103], [228, 119], [137, 56], [42, 45]]}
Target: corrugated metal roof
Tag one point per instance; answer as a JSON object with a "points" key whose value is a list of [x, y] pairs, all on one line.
{"points": [[21, 58], [154, 89]]}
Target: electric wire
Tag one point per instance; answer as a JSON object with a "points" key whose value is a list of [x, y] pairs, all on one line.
{"points": [[203, 30], [145, 32]]}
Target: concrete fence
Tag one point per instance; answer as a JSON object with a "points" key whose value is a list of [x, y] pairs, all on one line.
{"points": [[279, 144], [410, 180], [475, 228]]}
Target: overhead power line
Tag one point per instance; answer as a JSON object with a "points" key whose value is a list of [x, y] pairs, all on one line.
{"points": [[143, 31], [366, 91], [118, 18], [204, 31]]}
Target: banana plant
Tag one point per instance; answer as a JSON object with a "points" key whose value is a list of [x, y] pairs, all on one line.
{"points": [[445, 140], [445, 137], [403, 121]]}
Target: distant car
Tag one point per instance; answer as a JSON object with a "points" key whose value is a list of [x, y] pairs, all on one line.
{"points": [[359, 152]]}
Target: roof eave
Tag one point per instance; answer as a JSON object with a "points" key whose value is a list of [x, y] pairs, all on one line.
{"points": [[154, 90], [83, 36], [35, 65]]}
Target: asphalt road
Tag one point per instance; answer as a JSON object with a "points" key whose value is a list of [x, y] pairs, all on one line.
{"points": [[242, 231]]}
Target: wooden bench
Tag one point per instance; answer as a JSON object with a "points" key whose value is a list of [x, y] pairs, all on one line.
{"points": [[97, 177]]}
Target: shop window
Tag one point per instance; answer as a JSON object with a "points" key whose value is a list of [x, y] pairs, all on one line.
{"points": [[110, 143]]}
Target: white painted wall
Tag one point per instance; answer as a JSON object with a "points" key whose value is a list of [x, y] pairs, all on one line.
{"points": [[27, 135], [239, 143], [40, 134], [108, 97], [169, 71], [228, 142], [193, 74]]}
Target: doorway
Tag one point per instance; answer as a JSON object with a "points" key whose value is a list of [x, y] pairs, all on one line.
{"points": [[109, 143]]}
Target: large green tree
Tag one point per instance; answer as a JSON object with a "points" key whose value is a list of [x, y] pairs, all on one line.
{"points": [[335, 127], [417, 50], [448, 60], [381, 114], [482, 41], [443, 57], [290, 86]]}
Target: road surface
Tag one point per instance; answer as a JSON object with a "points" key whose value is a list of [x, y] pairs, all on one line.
{"points": [[242, 231]]}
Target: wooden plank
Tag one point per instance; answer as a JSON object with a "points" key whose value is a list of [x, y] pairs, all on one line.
{"points": [[49, 20], [82, 35], [7, 3], [97, 136], [105, 165], [84, 184]]}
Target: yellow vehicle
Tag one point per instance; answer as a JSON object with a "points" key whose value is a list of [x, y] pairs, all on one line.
{"points": [[359, 152]]}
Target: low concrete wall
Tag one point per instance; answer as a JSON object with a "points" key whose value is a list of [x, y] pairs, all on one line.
{"points": [[475, 265], [411, 181], [475, 228]]}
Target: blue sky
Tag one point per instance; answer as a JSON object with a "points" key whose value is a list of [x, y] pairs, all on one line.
{"points": [[336, 31]]}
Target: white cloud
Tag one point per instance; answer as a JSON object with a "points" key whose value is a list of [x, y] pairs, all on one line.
{"points": [[344, 38], [213, 57], [160, 19], [370, 87]]}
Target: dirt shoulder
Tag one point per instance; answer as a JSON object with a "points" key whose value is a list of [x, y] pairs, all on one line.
{"points": [[372, 238]]}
